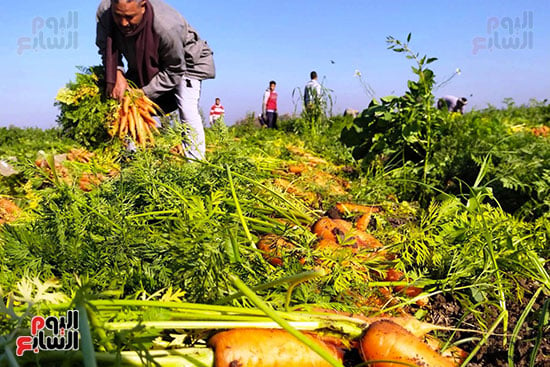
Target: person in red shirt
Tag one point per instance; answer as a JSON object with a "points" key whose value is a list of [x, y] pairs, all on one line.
{"points": [[216, 111], [269, 106]]}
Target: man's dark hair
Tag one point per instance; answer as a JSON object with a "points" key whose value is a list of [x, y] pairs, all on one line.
{"points": [[462, 101], [313, 75], [272, 82]]}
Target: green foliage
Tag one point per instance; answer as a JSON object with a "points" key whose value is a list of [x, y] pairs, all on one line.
{"points": [[399, 129], [477, 248], [148, 230], [164, 225], [315, 116], [20, 148], [24, 143], [415, 142], [85, 114], [519, 164]]}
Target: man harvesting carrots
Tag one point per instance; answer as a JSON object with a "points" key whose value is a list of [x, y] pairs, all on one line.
{"points": [[165, 57], [452, 103]]}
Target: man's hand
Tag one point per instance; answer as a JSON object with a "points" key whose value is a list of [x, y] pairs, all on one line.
{"points": [[120, 86]]}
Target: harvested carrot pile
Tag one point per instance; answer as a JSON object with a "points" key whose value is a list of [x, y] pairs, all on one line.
{"points": [[80, 155], [9, 211], [541, 131], [135, 119], [338, 231]]}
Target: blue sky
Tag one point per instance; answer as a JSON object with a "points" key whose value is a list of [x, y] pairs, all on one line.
{"points": [[284, 40]]}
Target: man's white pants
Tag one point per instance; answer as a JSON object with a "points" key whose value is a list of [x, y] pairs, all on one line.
{"points": [[187, 97]]}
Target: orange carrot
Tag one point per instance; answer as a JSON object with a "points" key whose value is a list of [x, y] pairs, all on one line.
{"points": [[387, 341], [456, 354], [113, 129], [325, 228], [410, 323], [148, 119], [123, 128], [296, 168], [267, 348], [154, 128], [338, 229], [343, 225], [363, 222], [148, 134], [152, 104], [273, 247], [326, 244], [9, 211], [125, 105], [364, 240], [395, 275], [140, 133], [132, 128], [151, 109]]}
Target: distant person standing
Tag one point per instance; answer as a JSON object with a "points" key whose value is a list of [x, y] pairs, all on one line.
{"points": [[452, 103], [269, 106], [312, 91], [216, 111]]}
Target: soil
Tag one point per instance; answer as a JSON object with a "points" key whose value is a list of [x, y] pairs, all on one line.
{"points": [[446, 310]]}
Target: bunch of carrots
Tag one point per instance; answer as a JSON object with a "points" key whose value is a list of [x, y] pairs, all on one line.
{"points": [[135, 118]]}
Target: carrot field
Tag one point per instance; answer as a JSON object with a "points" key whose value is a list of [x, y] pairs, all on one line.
{"points": [[305, 245]]}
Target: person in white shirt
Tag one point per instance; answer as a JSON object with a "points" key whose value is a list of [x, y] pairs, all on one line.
{"points": [[312, 91]]}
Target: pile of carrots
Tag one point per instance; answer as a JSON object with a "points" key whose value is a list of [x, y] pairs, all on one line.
{"points": [[135, 118], [333, 234], [541, 130], [384, 343], [9, 211], [86, 180]]}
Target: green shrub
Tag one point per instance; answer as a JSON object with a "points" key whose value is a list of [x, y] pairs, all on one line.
{"points": [[85, 114]]}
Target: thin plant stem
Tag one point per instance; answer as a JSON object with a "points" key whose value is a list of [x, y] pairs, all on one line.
{"points": [[518, 326], [503, 315], [283, 323], [238, 209]]}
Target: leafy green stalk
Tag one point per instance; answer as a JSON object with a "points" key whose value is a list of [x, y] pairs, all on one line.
{"points": [[519, 325], [283, 323], [238, 208]]}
